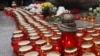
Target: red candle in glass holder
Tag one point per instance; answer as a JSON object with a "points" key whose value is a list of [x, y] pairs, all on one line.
{"points": [[69, 39]]}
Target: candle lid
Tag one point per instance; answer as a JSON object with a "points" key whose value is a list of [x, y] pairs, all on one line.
{"points": [[88, 54], [80, 28], [97, 41], [40, 27], [17, 35], [95, 34], [86, 45], [79, 34], [88, 38], [89, 27], [44, 29], [33, 53], [46, 47], [53, 53], [90, 31], [34, 37], [25, 42], [41, 41], [17, 31], [54, 28], [33, 34], [47, 34], [97, 24], [55, 37], [25, 48], [97, 28], [70, 50], [30, 29]]}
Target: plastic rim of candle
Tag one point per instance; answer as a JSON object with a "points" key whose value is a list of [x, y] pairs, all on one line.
{"points": [[18, 35], [48, 35], [86, 45], [33, 53], [46, 47], [79, 34], [70, 50], [29, 29], [25, 48], [25, 42], [88, 54], [33, 34], [95, 34], [97, 41], [34, 37], [90, 31], [53, 53], [55, 37], [80, 28], [41, 41], [88, 38], [17, 31]]}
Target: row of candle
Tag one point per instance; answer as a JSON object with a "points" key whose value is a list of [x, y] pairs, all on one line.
{"points": [[37, 34], [33, 29], [89, 39]]}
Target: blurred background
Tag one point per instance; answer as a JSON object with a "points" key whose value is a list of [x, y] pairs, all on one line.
{"points": [[68, 4]]}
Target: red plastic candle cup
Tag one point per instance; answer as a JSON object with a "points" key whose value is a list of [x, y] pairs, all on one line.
{"points": [[17, 32], [32, 53], [45, 49], [56, 42], [24, 49], [95, 36], [24, 43], [53, 53], [88, 54], [88, 39], [97, 29], [15, 40], [33, 39], [38, 44], [72, 51], [97, 47], [86, 47], [47, 37]]}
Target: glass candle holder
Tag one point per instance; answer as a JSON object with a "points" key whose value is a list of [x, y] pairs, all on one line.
{"points": [[89, 28], [92, 18], [84, 17], [72, 51], [24, 49], [45, 49], [53, 53], [32, 53]]}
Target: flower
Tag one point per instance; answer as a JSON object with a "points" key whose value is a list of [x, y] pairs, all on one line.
{"points": [[46, 4]]}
